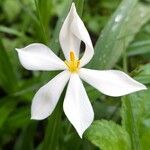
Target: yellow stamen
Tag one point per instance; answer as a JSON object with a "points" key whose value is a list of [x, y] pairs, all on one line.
{"points": [[72, 57], [73, 64]]}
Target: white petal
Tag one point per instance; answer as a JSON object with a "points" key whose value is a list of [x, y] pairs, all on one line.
{"points": [[111, 82], [47, 96], [77, 106], [37, 56], [68, 41], [72, 33]]}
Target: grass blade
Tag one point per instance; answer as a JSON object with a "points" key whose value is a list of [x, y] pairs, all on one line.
{"points": [[8, 79]]}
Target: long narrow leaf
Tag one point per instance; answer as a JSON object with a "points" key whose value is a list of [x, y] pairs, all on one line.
{"points": [[121, 28], [8, 78]]}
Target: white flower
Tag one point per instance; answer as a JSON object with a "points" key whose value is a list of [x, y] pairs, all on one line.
{"points": [[77, 106]]}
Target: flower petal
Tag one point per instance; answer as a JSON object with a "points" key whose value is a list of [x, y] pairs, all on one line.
{"points": [[72, 33], [37, 56], [47, 96], [111, 82], [77, 106], [68, 41]]}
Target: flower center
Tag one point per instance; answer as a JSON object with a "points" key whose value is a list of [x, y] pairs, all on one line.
{"points": [[73, 64]]}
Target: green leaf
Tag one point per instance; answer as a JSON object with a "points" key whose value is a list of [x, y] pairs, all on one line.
{"points": [[139, 48], [129, 121], [18, 119], [10, 31], [8, 79], [79, 5], [107, 135], [119, 32], [143, 74], [6, 108], [25, 140], [9, 7], [136, 118], [43, 10]]}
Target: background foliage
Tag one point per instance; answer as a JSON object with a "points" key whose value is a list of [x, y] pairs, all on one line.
{"points": [[120, 31]]}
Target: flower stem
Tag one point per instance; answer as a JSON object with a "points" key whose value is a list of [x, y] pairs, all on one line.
{"points": [[53, 129], [125, 62], [129, 121]]}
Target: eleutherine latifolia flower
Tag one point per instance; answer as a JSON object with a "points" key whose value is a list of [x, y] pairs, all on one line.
{"points": [[77, 106]]}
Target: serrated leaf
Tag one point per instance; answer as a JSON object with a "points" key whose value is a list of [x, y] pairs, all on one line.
{"points": [[107, 135]]}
